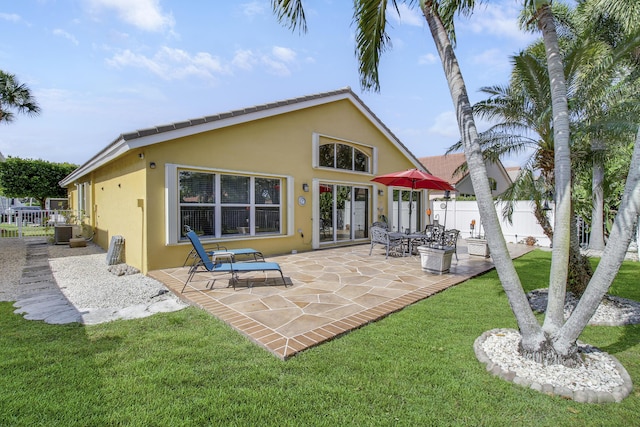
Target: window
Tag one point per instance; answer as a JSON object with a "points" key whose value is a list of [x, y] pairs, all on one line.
{"points": [[493, 184], [83, 199], [215, 205], [343, 156]]}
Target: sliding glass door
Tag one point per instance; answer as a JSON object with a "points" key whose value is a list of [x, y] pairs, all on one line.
{"points": [[344, 213]]}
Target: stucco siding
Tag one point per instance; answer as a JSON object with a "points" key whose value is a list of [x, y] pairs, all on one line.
{"points": [[134, 195]]}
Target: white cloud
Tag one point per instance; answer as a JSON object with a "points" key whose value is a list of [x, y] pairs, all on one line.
{"points": [[492, 59], [427, 59], [244, 59], [12, 17], [445, 124], [499, 20], [144, 14], [408, 16], [254, 8], [276, 67], [175, 64], [64, 34], [283, 54], [172, 64]]}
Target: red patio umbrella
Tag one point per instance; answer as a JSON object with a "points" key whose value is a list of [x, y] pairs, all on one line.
{"points": [[413, 179]]}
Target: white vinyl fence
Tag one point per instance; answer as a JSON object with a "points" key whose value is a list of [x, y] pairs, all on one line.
{"points": [[16, 222], [459, 215]]}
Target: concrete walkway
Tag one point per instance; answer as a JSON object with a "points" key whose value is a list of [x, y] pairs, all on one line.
{"points": [[330, 292]]}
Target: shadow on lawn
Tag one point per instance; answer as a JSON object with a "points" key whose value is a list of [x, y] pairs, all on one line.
{"points": [[630, 337], [36, 356]]}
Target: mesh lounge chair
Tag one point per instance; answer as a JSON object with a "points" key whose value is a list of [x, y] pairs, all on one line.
{"points": [[214, 265], [214, 248]]}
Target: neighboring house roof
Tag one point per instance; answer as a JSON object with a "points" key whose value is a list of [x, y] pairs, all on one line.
{"points": [[144, 137], [445, 166], [513, 172]]}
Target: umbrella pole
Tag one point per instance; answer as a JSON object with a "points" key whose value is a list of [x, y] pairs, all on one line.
{"points": [[410, 204]]}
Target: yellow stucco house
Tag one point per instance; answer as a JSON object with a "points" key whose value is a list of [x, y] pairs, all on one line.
{"points": [[293, 175]]}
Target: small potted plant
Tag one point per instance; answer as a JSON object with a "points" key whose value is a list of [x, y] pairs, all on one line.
{"points": [[477, 244]]}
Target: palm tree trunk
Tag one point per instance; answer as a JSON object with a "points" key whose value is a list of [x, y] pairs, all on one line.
{"points": [[543, 220], [612, 257], [580, 271], [532, 336], [596, 240], [554, 317]]}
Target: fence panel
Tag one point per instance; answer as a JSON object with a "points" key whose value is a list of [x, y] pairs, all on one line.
{"points": [[459, 214], [18, 223]]}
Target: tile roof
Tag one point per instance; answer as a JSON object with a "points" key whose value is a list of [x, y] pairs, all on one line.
{"points": [[139, 138], [236, 113], [513, 172], [445, 166]]}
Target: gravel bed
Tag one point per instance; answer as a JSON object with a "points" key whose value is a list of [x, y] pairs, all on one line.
{"points": [[601, 379], [86, 282], [83, 277], [12, 261]]}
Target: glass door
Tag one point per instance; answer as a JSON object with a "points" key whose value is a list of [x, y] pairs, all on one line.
{"points": [[344, 213], [406, 210]]}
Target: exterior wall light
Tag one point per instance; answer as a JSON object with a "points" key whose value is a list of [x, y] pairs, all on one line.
{"points": [[380, 192], [152, 165], [305, 187]]}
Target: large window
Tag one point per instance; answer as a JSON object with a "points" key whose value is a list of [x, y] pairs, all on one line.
{"points": [[216, 205], [343, 156]]}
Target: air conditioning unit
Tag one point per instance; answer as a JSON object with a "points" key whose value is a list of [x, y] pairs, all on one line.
{"points": [[62, 234]]}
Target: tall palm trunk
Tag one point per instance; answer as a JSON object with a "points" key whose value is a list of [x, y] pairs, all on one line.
{"points": [[532, 335], [554, 317], [596, 239], [612, 257]]}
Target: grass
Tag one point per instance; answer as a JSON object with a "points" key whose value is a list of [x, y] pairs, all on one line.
{"points": [[11, 230], [416, 367]]}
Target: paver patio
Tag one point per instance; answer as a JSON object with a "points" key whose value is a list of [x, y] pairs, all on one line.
{"points": [[330, 292]]}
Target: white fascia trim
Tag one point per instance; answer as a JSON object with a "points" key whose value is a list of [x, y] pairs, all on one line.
{"points": [[114, 150], [386, 133]]}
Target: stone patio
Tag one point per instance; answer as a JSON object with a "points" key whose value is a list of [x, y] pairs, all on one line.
{"points": [[329, 292]]}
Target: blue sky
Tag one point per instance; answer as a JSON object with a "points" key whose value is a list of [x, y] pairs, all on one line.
{"points": [[99, 68]]}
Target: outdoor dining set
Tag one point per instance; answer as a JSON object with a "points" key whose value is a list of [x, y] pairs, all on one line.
{"points": [[433, 236]]}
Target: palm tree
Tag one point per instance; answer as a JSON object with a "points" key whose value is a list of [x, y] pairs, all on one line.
{"points": [[597, 106], [619, 38], [554, 342], [15, 96]]}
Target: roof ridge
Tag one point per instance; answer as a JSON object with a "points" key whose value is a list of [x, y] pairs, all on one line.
{"points": [[230, 113]]}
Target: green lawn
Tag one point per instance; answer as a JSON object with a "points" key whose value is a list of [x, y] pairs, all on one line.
{"points": [[414, 368], [11, 230]]}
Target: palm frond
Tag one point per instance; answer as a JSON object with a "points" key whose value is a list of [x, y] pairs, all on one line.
{"points": [[290, 13], [371, 39]]}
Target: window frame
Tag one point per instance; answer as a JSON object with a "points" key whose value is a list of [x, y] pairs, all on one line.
{"points": [[174, 232], [369, 151]]}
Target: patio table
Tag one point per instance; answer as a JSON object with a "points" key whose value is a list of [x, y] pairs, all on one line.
{"points": [[409, 238]]}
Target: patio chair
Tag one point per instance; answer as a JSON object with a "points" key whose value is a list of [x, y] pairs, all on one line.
{"points": [[451, 239], [381, 225], [432, 235], [214, 264], [380, 236]]}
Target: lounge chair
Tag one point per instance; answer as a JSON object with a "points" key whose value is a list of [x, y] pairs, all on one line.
{"points": [[213, 248], [213, 264]]}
